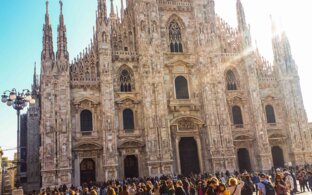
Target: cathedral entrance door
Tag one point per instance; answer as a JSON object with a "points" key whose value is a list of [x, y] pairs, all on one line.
{"points": [[243, 160], [87, 171], [278, 157], [131, 166], [189, 160]]}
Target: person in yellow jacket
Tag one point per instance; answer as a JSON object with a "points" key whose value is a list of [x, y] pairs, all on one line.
{"points": [[93, 191], [222, 190]]}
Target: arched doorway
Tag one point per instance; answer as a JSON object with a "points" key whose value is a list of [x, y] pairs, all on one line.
{"points": [[87, 171], [189, 160], [243, 160], [278, 156], [131, 166]]}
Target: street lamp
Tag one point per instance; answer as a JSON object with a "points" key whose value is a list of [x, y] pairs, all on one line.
{"points": [[18, 100]]}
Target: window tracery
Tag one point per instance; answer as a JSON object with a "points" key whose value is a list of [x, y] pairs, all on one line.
{"points": [[231, 80], [175, 37], [126, 80]]}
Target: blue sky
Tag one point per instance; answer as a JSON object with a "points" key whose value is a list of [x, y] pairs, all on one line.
{"points": [[21, 40]]}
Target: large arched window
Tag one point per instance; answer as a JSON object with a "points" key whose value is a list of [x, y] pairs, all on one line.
{"points": [[270, 115], [86, 121], [128, 119], [125, 81], [231, 80], [175, 37], [181, 88], [237, 116]]}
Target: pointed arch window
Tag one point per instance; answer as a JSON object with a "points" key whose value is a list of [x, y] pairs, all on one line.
{"points": [[125, 81], [175, 37], [231, 80], [86, 121], [128, 120], [237, 116], [270, 114], [181, 88]]}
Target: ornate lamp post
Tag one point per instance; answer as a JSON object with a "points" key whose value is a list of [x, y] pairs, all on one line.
{"points": [[18, 100]]}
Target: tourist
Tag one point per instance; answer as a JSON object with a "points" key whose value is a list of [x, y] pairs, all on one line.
{"points": [[179, 190], [280, 186], [156, 190], [310, 180], [255, 180], [212, 185], [93, 191], [200, 188], [222, 190], [301, 180], [265, 186], [289, 181], [248, 187], [171, 189], [235, 186]]}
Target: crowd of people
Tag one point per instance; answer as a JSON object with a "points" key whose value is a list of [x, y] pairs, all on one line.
{"points": [[279, 182]]}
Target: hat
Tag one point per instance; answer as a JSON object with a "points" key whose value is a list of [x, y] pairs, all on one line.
{"points": [[262, 175], [286, 173]]}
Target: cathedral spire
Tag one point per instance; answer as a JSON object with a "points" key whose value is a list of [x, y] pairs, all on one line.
{"points": [[47, 40], [102, 9], [35, 75], [122, 9], [282, 49], [286, 50], [62, 52], [242, 25], [241, 19], [112, 14], [275, 41], [34, 86], [47, 17]]}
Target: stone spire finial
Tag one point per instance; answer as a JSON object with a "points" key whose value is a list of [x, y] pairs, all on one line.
{"points": [[47, 17], [47, 50], [61, 7], [241, 19], [102, 9], [122, 9], [62, 52], [112, 14]]}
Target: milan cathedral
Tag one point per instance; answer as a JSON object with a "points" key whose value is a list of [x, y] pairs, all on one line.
{"points": [[167, 87]]}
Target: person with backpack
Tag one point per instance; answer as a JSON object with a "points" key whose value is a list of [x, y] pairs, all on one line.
{"points": [[265, 187], [290, 182], [255, 180], [280, 186], [248, 188]]}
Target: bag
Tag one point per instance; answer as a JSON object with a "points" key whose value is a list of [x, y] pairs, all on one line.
{"points": [[234, 190], [247, 189], [269, 190]]}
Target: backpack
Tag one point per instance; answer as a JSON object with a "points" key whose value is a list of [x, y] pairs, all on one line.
{"points": [[247, 189], [269, 189]]}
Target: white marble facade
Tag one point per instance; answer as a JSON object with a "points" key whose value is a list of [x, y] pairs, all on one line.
{"points": [[162, 75]]}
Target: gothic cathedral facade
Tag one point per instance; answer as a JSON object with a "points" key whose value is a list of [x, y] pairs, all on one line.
{"points": [[167, 87]]}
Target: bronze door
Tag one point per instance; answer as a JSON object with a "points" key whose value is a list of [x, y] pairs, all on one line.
{"points": [[87, 171], [243, 160], [189, 160], [278, 157], [131, 166]]}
